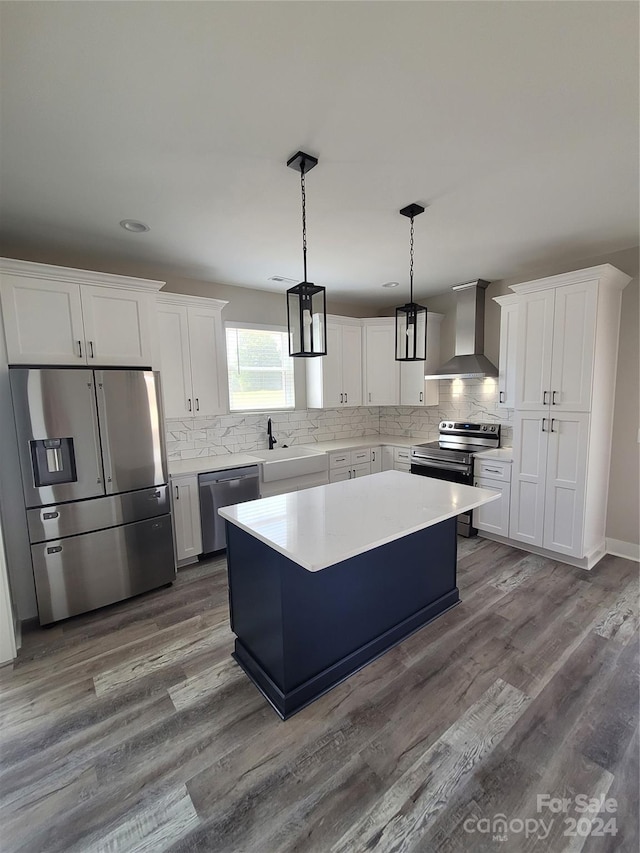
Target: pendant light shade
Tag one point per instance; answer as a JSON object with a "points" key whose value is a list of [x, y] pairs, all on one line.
{"points": [[411, 318], [306, 302]]}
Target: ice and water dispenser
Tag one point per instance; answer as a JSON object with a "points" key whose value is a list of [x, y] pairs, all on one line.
{"points": [[53, 461]]}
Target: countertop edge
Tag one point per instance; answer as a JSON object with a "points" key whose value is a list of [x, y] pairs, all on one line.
{"points": [[353, 552]]}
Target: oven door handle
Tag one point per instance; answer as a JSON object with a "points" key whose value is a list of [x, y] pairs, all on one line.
{"points": [[424, 462]]}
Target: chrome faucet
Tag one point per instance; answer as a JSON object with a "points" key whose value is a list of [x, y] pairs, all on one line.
{"points": [[272, 440]]}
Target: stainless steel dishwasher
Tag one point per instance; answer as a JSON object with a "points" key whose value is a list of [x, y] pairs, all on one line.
{"points": [[223, 488]]}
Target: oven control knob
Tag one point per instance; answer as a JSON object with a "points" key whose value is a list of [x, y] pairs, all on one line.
{"points": [[484, 429]]}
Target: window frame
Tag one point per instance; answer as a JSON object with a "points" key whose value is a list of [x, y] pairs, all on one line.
{"points": [[260, 327]]}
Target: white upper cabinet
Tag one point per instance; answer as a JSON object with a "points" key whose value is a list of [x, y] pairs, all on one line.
{"points": [[175, 359], [192, 355], [117, 326], [352, 364], [42, 321], [508, 354], [555, 347], [335, 379], [533, 360], [414, 389], [381, 370], [54, 315], [574, 337]]}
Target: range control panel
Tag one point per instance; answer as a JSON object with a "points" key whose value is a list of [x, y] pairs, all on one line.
{"points": [[468, 428]]}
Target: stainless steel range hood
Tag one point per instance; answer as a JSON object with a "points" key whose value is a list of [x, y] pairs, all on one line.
{"points": [[469, 362]]}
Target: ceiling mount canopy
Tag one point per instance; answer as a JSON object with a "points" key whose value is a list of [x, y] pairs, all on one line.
{"points": [[306, 302], [411, 318]]}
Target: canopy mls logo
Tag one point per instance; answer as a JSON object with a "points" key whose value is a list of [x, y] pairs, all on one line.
{"points": [[499, 827], [587, 823]]}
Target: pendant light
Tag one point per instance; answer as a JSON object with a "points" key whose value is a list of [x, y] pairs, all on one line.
{"points": [[306, 302], [411, 319]]}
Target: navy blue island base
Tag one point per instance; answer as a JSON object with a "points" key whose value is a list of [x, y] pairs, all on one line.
{"points": [[299, 633]]}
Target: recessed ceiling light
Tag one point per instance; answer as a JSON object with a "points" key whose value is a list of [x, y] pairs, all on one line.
{"points": [[134, 226], [391, 284]]}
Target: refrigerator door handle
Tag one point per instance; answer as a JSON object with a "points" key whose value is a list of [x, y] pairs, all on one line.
{"points": [[106, 458]]}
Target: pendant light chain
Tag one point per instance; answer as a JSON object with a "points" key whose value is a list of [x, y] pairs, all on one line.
{"points": [[411, 263], [304, 218]]}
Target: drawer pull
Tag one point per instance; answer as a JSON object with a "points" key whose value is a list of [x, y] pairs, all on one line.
{"points": [[55, 549], [46, 516], [493, 470]]}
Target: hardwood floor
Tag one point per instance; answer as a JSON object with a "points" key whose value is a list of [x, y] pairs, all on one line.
{"points": [[132, 729]]}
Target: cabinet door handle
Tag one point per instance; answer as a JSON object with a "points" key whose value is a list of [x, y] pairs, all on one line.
{"points": [[421, 396], [544, 398], [349, 473], [501, 397], [369, 396], [553, 420], [90, 349], [346, 399], [189, 403], [197, 405], [342, 398], [177, 493], [543, 429], [553, 399], [373, 456], [79, 349]]}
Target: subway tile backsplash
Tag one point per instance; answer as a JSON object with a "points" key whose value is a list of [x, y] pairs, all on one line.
{"points": [[468, 399]]}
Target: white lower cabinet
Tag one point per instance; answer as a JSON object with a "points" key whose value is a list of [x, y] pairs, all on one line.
{"points": [[185, 505], [348, 464], [493, 517], [549, 480], [401, 459], [396, 458]]}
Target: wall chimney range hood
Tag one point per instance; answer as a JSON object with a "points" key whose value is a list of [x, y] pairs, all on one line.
{"points": [[469, 362]]}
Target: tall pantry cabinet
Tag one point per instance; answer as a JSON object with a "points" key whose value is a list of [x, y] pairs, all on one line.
{"points": [[565, 370]]}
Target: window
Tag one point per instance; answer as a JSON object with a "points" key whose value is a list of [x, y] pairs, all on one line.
{"points": [[260, 369]]}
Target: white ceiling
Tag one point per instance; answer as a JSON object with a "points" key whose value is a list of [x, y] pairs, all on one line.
{"points": [[516, 123]]}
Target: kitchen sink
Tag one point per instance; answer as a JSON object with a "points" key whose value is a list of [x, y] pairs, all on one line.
{"points": [[284, 462]]}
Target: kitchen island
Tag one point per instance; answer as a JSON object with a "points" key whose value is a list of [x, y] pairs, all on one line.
{"points": [[323, 581]]}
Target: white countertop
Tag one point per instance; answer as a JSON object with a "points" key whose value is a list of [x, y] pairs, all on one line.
{"points": [[200, 464], [499, 454], [365, 441], [325, 525]]}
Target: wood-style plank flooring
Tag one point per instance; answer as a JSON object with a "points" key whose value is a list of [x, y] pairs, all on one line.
{"points": [[131, 729]]}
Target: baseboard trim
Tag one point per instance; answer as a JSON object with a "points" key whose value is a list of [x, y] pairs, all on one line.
{"points": [[619, 548], [586, 563]]}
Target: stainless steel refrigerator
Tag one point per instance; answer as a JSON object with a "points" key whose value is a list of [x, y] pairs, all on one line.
{"points": [[94, 476]]}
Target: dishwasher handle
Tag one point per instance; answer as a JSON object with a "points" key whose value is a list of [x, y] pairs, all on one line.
{"points": [[229, 475], [231, 479]]}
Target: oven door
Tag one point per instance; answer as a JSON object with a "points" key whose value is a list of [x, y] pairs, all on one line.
{"points": [[453, 473]]}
